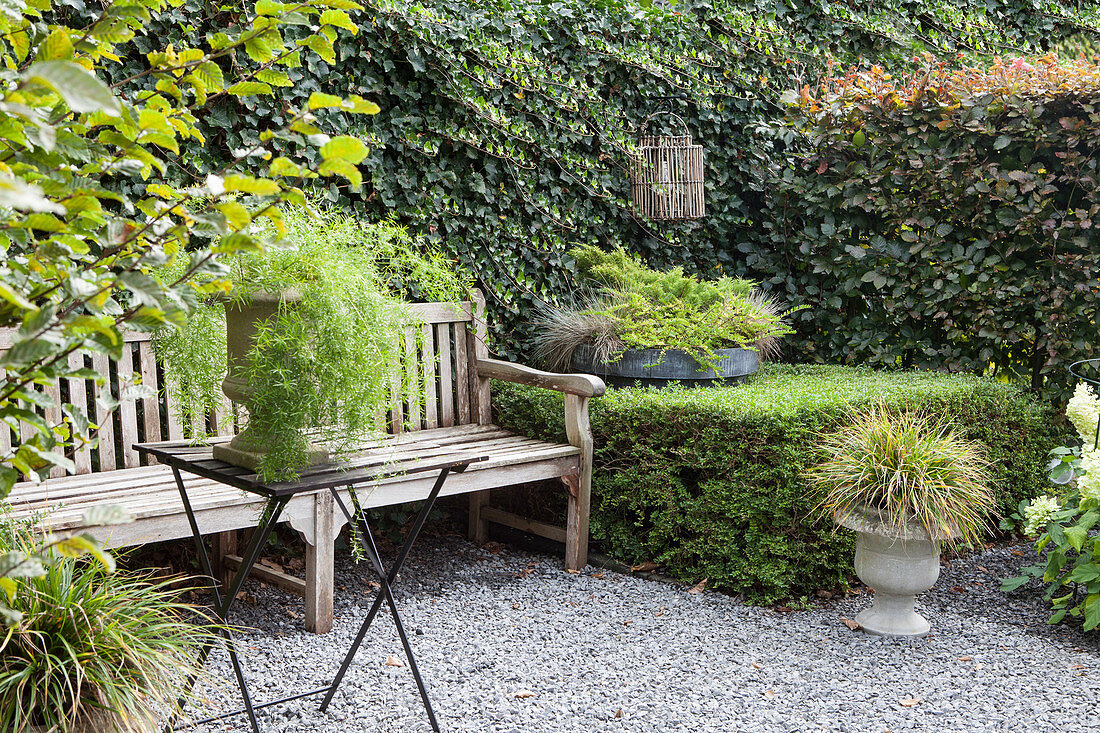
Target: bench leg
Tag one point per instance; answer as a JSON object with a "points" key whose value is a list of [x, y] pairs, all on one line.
{"points": [[225, 543], [576, 523], [579, 431], [479, 528], [320, 558]]}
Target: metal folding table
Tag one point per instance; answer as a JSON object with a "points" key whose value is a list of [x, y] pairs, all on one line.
{"points": [[355, 471]]}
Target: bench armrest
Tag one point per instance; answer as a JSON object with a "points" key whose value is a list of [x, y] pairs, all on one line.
{"points": [[583, 385]]}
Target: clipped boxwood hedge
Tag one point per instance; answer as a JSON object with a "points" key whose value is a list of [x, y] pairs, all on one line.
{"points": [[707, 482]]}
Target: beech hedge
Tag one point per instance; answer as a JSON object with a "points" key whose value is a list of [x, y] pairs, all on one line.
{"points": [[708, 482]]}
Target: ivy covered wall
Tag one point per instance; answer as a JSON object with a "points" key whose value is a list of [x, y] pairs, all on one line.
{"points": [[506, 128]]}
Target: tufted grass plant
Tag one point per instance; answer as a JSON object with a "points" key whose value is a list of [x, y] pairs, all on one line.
{"points": [[909, 467], [94, 650]]}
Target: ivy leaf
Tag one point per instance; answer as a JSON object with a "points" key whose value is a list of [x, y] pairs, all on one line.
{"points": [[81, 90]]}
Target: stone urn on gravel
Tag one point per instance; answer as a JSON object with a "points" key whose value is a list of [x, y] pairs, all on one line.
{"points": [[898, 563], [906, 483]]}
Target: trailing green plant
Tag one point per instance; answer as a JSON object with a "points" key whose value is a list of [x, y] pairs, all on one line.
{"points": [[711, 483], [326, 361], [635, 307], [1065, 525], [906, 468], [96, 195], [94, 649]]}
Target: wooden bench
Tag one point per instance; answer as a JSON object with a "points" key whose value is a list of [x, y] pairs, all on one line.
{"points": [[450, 362]]}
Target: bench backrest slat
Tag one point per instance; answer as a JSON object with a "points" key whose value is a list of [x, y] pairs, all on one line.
{"points": [[434, 359]]}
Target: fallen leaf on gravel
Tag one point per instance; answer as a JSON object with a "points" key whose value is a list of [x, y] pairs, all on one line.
{"points": [[572, 572], [967, 658], [769, 694], [619, 714], [983, 569], [392, 661], [909, 702], [1017, 553], [627, 623], [757, 666], [523, 694], [493, 547], [644, 566], [1078, 666], [979, 665], [699, 587], [597, 576], [851, 623], [958, 589]]}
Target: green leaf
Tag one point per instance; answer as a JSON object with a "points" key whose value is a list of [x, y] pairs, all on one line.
{"points": [[320, 46], [321, 100], [15, 298], [345, 147], [9, 587], [85, 544], [18, 564], [106, 514], [338, 19], [248, 184], [274, 78], [1076, 537], [340, 167], [56, 46], [211, 75], [1011, 584], [81, 90], [248, 88]]}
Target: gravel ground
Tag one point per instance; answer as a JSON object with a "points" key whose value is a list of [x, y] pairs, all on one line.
{"points": [[509, 642]]}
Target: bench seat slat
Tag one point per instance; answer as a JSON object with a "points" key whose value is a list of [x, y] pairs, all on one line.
{"points": [[150, 491]]}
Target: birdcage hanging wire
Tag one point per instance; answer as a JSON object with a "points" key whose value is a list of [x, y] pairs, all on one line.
{"points": [[667, 181]]}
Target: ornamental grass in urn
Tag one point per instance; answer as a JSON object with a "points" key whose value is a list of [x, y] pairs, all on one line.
{"points": [[907, 483]]}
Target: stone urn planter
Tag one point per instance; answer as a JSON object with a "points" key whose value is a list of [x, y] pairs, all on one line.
{"points": [[898, 563], [660, 367], [242, 319]]}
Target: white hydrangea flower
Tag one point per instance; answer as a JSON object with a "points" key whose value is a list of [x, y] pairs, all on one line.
{"points": [[1038, 514], [1089, 484], [1083, 410]]}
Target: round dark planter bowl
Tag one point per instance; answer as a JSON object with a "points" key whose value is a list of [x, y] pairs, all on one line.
{"points": [[659, 368]]}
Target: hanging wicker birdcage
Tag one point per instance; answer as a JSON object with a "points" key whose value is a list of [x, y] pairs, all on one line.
{"points": [[667, 182]]}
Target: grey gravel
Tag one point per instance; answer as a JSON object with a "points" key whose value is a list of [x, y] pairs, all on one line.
{"points": [[602, 651]]}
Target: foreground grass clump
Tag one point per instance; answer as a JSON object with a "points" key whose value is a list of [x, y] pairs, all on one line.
{"points": [[709, 482]]}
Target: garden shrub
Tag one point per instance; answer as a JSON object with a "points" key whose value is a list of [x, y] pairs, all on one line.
{"points": [[709, 482], [948, 214]]}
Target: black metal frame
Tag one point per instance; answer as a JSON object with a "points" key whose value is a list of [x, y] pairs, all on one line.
{"points": [[195, 459]]}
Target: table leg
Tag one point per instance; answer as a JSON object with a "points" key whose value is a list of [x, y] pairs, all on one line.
{"points": [[222, 606], [385, 592]]}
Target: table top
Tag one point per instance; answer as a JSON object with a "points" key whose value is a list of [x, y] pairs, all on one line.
{"points": [[364, 467]]}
